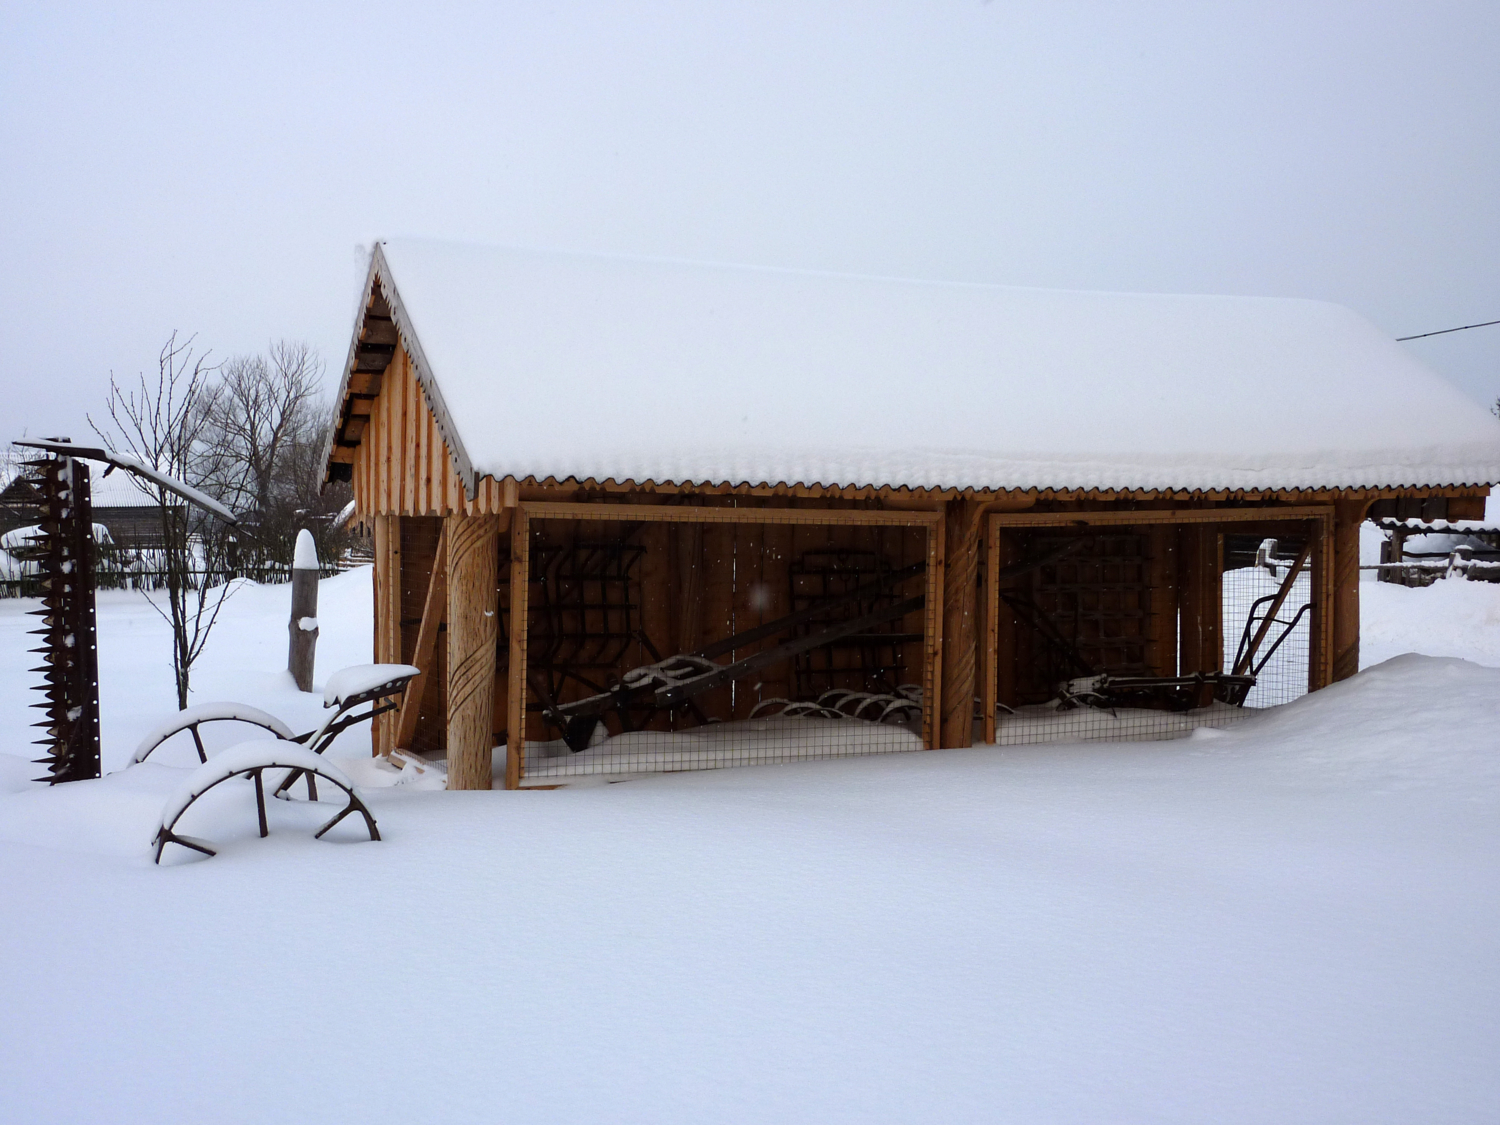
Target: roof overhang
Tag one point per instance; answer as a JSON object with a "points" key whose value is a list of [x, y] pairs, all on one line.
{"points": [[381, 327]]}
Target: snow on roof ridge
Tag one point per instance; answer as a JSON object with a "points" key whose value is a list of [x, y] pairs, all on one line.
{"points": [[835, 275], [578, 366]]}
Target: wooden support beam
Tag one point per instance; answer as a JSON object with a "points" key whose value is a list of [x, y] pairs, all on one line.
{"points": [[515, 723], [379, 330], [1201, 612], [365, 383], [473, 625], [687, 587], [830, 517], [1164, 604], [932, 641], [989, 636], [434, 607], [1147, 517], [963, 529], [1348, 516]]}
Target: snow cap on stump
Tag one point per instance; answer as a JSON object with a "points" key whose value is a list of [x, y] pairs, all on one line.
{"points": [[306, 556]]}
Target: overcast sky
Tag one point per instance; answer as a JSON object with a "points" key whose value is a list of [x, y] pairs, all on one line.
{"points": [[220, 170]]}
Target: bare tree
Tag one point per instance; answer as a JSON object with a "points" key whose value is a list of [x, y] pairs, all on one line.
{"points": [[264, 417], [165, 423], [265, 406]]}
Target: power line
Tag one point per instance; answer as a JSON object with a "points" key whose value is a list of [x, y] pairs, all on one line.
{"points": [[1445, 331]]}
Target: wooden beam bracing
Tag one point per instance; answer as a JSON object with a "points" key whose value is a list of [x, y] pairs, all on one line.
{"points": [[835, 517], [434, 609]]}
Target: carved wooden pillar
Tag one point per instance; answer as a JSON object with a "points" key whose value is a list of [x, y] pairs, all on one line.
{"points": [[963, 528], [473, 627]]}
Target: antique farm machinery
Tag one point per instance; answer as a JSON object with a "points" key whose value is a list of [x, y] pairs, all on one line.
{"points": [[63, 550]]}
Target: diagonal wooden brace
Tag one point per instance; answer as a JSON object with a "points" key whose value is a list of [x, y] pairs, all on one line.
{"points": [[427, 634]]}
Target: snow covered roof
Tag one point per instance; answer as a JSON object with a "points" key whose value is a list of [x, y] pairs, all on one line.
{"points": [[1449, 527], [549, 365]]}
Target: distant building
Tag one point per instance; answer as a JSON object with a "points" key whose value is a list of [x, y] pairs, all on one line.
{"points": [[132, 516]]}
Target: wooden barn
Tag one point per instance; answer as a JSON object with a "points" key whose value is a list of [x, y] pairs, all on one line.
{"points": [[638, 515]]}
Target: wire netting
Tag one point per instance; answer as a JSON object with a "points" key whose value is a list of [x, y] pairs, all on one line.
{"points": [[1100, 642], [1248, 593], [656, 646]]}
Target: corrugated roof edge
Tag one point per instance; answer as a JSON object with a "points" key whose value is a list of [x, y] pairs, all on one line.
{"points": [[1329, 484], [1041, 492], [380, 273]]}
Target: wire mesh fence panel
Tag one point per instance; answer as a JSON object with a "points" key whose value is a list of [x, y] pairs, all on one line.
{"points": [[667, 645], [1248, 593], [1051, 723], [1121, 633]]}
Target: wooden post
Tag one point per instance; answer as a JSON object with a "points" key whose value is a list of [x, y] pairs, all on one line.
{"points": [[687, 583], [1348, 516], [1320, 649], [1201, 607], [932, 644], [473, 626], [962, 530], [515, 706], [387, 617], [302, 642], [989, 695], [1164, 599]]}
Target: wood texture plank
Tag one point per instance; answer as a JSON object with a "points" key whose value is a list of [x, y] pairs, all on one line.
{"points": [[1144, 518], [831, 517]]}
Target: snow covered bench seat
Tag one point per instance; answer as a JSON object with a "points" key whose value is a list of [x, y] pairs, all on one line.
{"points": [[252, 759], [346, 689]]}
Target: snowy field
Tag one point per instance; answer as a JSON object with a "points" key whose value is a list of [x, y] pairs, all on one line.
{"points": [[1295, 920]]}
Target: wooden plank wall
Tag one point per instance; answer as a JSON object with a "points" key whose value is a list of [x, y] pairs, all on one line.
{"points": [[402, 465]]}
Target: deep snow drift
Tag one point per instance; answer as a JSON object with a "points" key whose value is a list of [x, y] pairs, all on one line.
{"points": [[1292, 920]]}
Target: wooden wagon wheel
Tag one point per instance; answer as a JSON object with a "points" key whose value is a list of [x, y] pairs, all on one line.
{"points": [[252, 760], [191, 718]]}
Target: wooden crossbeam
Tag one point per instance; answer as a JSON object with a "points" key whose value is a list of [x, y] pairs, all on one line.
{"points": [[427, 635]]}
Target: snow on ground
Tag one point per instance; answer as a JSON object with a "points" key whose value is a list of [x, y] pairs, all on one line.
{"points": [[1292, 920], [1448, 617]]}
